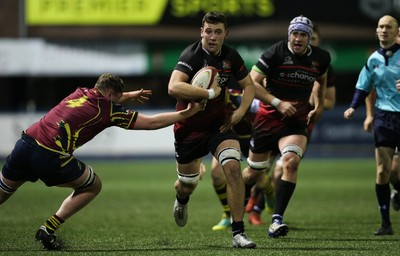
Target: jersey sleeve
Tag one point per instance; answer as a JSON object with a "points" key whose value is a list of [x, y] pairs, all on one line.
{"points": [[266, 60], [122, 117], [241, 71], [187, 62], [327, 58], [364, 79]]}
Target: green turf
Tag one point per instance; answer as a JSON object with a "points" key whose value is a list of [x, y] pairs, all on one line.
{"points": [[333, 212]]}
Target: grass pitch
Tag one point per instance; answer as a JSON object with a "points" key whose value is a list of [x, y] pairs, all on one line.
{"points": [[333, 212]]}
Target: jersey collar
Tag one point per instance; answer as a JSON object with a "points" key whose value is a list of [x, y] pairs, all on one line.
{"points": [[389, 51]]}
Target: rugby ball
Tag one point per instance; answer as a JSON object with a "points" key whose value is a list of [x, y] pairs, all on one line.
{"points": [[204, 77]]}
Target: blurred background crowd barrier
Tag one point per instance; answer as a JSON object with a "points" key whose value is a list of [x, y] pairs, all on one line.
{"points": [[50, 47]]}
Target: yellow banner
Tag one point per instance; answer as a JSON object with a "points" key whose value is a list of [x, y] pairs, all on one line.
{"points": [[94, 12]]}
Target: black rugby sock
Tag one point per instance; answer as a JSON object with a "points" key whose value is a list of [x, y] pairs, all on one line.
{"points": [[247, 192], [283, 194], [383, 194], [237, 227], [182, 201]]}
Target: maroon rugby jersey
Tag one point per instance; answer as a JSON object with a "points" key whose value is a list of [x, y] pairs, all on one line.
{"points": [[77, 119]]}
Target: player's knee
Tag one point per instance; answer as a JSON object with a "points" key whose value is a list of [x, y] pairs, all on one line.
{"points": [[97, 185], [228, 154], [292, 154], [259, 166], [186, 183], [292, 148], [254, 170], [92, 182], [188, 179], [217, 178], [382, 175], [5, 190]]}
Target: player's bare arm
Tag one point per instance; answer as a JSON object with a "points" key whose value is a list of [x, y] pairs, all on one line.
{"points": [[369, 111], [162, 120], [284, 107], [329, 99], [180, 88], [319, 96], [248, 96]]}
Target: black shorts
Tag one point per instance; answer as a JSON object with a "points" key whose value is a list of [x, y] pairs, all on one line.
{"points": [[244, 145], [29, 162], [186, 152], [270, 126], [267, 138], [386, 128]]}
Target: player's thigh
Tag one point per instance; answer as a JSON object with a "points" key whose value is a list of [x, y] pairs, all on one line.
{"points": [[11, 183], [217, 174], [384, 156], [294, 139], [260, 157], [8, 187], [230, 143], [86, 176], [192, 167]]}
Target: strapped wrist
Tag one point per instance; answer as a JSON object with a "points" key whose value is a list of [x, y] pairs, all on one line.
{"points": [[211, 94], [275, 102]]}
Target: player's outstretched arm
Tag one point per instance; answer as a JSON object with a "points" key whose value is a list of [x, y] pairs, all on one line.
{"points": [[157, 121]]}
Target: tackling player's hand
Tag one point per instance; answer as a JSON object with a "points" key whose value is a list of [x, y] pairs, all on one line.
{"points": [[197, 106], [141, 96]]}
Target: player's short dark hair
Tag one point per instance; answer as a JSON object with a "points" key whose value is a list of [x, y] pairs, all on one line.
{"points": [[214, 17], [110, 81]]}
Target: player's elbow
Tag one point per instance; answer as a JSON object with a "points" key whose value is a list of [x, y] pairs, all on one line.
{"points": [[173, 90]]}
